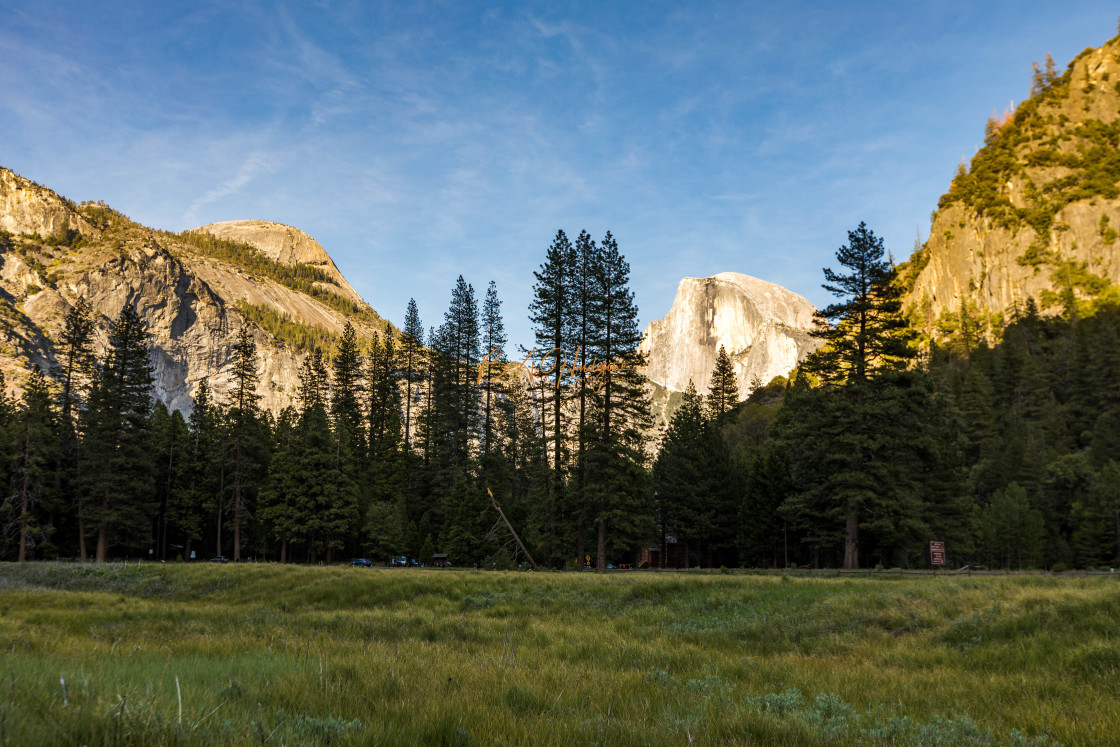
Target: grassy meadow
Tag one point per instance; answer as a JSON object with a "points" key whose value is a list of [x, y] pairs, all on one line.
{"points": [[267, 654]]}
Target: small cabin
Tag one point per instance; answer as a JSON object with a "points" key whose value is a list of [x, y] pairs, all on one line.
{"points": [[439, 560]]}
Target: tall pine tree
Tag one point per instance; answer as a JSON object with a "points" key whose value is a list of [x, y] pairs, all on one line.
{"points": [[245, 428], [347, 389], [75, 370], [116, 455], [493, 344], [37, 458], [864, 334], [617, 487], [550, 315], [412, 359]]}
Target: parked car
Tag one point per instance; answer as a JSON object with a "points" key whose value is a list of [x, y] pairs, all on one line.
{"points": [[219, 559], [362, 562], [398, 562]]}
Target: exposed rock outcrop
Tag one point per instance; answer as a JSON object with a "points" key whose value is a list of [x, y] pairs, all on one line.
{"points": [[284, 244], [764, 328], [26, 207], [191, 303], [1036, 214]]}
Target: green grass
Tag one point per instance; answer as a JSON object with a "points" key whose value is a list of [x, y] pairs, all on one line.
{"points": [[269, 654]]}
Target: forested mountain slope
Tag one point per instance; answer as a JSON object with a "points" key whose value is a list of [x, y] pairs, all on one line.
{"points": [[1036, 212]]}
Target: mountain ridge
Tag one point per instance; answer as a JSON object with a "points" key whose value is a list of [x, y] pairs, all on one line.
{"points": [[282, 243], [192, 293], [763, 326]]}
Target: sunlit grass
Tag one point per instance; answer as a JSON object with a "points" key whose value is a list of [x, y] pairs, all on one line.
{"points": [[270, 654]]}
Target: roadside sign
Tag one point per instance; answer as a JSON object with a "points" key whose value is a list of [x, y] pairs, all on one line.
{"points": [[937, 553]]}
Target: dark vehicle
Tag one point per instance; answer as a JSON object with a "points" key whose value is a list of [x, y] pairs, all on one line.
{"points": [[219, 559], [362, 562]]}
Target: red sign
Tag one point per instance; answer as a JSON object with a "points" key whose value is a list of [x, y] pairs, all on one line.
{"points": [[937, 553]]}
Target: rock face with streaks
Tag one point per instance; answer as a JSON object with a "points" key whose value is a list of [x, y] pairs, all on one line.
{"points": [[26, 207], [193, 304], [763, 326]]}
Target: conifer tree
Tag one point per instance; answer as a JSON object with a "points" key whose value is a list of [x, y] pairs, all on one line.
{"points": [[199, 492], [10, 516], [693, 482], [170, 437], [282, 510], [427, 426], [1067, 480], [314, 384], [385, 529], [1096, 520], [865, 335], [551, 318], [456, 387], [76, 356], [723, 393], [325, 489], [1013, 531], [383, 403], [347, 389], [116, 456], [463, 334], [764, 538], [37, 457], [466, 536], [866, 332], [412, 357], [74, 371], [893, 456], [587, 257], [529, 488], [493, 344], [244, 419], [385, 511], [617, 486]]}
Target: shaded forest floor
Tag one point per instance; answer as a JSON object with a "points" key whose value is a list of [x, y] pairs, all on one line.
{"points": [[270, 654]]}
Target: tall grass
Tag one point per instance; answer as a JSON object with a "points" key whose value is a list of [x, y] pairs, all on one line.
{"points": [[268, 654]]}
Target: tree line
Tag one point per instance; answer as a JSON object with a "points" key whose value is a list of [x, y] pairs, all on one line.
{"points": [[871, 449], [875, 446], [393, 447]]}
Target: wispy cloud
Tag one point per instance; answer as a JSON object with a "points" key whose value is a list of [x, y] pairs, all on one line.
{"points": [[257, 164], [420, 140]]}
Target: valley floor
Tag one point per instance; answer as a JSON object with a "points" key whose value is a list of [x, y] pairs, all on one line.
{"points": [[268, 654]]}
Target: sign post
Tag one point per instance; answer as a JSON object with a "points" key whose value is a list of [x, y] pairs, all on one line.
{"points": [[937, 553]]}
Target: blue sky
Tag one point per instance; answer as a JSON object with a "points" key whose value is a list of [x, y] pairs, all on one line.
{"points": [[422, 140]]}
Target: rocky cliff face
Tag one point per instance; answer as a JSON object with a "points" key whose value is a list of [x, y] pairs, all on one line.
{"points": [[763, 326], [284, 244], [1036, 213], [26, 207], [193, 304]]}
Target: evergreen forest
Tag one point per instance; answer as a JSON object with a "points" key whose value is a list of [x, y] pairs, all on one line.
{"points": [[404, 444]]}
